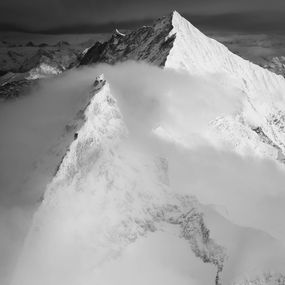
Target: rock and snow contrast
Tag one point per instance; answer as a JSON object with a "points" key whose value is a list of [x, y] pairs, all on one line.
{"points": [[145, 193]]}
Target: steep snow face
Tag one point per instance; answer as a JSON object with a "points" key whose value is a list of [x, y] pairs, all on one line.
{"points": [[107, 194], [259, 128]]}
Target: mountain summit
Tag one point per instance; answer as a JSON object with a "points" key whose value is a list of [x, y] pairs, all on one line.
{"points": [[174, 43]]}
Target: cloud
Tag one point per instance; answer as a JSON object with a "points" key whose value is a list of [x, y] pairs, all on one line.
{"points": [[251, 189], [247, 186], [182, 105], [246, 190]]}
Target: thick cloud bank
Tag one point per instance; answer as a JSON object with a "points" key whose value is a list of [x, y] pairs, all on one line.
{"points": [[178, 108], [167, 113]]}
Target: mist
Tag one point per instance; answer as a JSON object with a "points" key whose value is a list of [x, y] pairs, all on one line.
{"points": [[168, 114]]}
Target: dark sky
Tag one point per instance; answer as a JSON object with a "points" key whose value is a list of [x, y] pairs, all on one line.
{"points": [[52, 14]]}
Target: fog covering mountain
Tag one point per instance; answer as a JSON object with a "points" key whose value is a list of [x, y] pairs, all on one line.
{"points": [[176, 171]]}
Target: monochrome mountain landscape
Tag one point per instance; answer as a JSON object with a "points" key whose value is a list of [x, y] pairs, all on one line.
{"points": [[154, 156]]}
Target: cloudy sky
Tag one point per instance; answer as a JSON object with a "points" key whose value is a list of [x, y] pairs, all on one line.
{"points": [[51, 14]]}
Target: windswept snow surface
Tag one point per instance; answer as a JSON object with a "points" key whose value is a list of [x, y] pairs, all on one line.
{"points": [[210, 125]]}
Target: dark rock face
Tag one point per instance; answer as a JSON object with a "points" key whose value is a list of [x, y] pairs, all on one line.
{"points": [[151, 44]]}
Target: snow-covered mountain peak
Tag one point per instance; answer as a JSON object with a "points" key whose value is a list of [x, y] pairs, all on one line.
{"points": [[174, 43], [108, 192]]}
